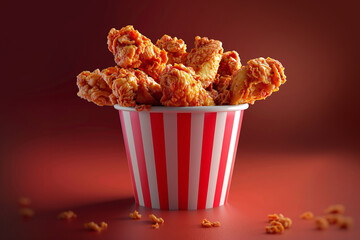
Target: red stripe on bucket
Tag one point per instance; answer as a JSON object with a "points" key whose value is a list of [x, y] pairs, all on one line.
{"points": [[224, 156], [139, 148], [128, 156], [183, 141], [206, 154], [234, 156], [157, 128]]}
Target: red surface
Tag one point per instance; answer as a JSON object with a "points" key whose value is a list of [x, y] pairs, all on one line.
{"points": [[299, 149], [91, 177]]}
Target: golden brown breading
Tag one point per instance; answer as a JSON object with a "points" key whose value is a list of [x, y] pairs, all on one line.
{"points": [[222, 86], [229, 64], [132, 49], [181, 87], [205, 59], [175, 48], [93, 88], [257, 80], [133, 87]]}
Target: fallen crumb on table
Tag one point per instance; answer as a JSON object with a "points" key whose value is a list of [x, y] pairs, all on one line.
{"points": [[26, 212], [135, 215], [92, 226]]}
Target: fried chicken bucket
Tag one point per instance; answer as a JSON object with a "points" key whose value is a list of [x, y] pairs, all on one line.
{"points": [[181, 157]]}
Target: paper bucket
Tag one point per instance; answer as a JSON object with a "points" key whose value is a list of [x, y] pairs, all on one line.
{"points": [[181, 157]]}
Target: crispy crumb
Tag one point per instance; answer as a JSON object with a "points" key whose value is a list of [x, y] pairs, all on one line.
{"points": [[275, 227], [345, 222], [275, 217], [207, 224], [155, 219], [156, 225], [307, 215], [91, 226], [26, 212], [216, 224], [321, 223], [285, 221], [24, 202], [67, 215], [135, 215], [333, 218], [338, 208]]}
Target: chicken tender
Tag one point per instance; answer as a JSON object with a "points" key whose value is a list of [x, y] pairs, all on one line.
{"points": [[229, 64], [205, 59], [257, 80], [133, 87], [93, 88], [133, 50], [181, 87], [175, 48]]}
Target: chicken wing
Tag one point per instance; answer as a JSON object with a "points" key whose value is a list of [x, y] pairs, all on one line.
{"points": [[175, 48], [205, 59], [181, 87], [131, 49], [134, 87], [93, 88], [257, 80]]}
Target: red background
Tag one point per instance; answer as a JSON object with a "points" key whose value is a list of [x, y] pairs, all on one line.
{"points": [[298, 150]]}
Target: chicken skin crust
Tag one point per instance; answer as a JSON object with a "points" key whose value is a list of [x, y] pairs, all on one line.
{"points": [[134, 87], [181, 87], [133, 50], [205, 59], [257, 80], [175, 48], [93, 88], [229, 64]]}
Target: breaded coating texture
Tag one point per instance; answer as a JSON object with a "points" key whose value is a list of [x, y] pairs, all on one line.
{"points": [[205, 59], [229, 64], [257, 80], [181, 87], [93, 88], [175, 48], [133, 87], [222, 86], [133, 50]]}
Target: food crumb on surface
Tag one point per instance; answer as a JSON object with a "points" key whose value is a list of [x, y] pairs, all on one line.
{"points": [[156, 225], [135, 215], [92, 226], [155, 219], [24, 202], [207, 224], [278, 223], [275, 227], [321, 223], [26, 212], [67, 215], [337, 208], [333, 218], [307, 215], [345, 222]]}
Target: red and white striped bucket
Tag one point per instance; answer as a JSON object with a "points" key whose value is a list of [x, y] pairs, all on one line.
{"points": [[181, 157]]}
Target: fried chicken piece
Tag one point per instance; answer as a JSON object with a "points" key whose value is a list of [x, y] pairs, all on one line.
{"points": [[181, 87], [257, 80], [205, 59], [222, 86], [229, 64], [131, 49], [175, 48], [93, 88], [133, 87]]}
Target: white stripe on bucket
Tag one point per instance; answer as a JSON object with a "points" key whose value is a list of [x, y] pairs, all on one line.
{"points": [[197, 119], [131, 144], [145, 124], [230, 156], [170, 132], [215, 158]]}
